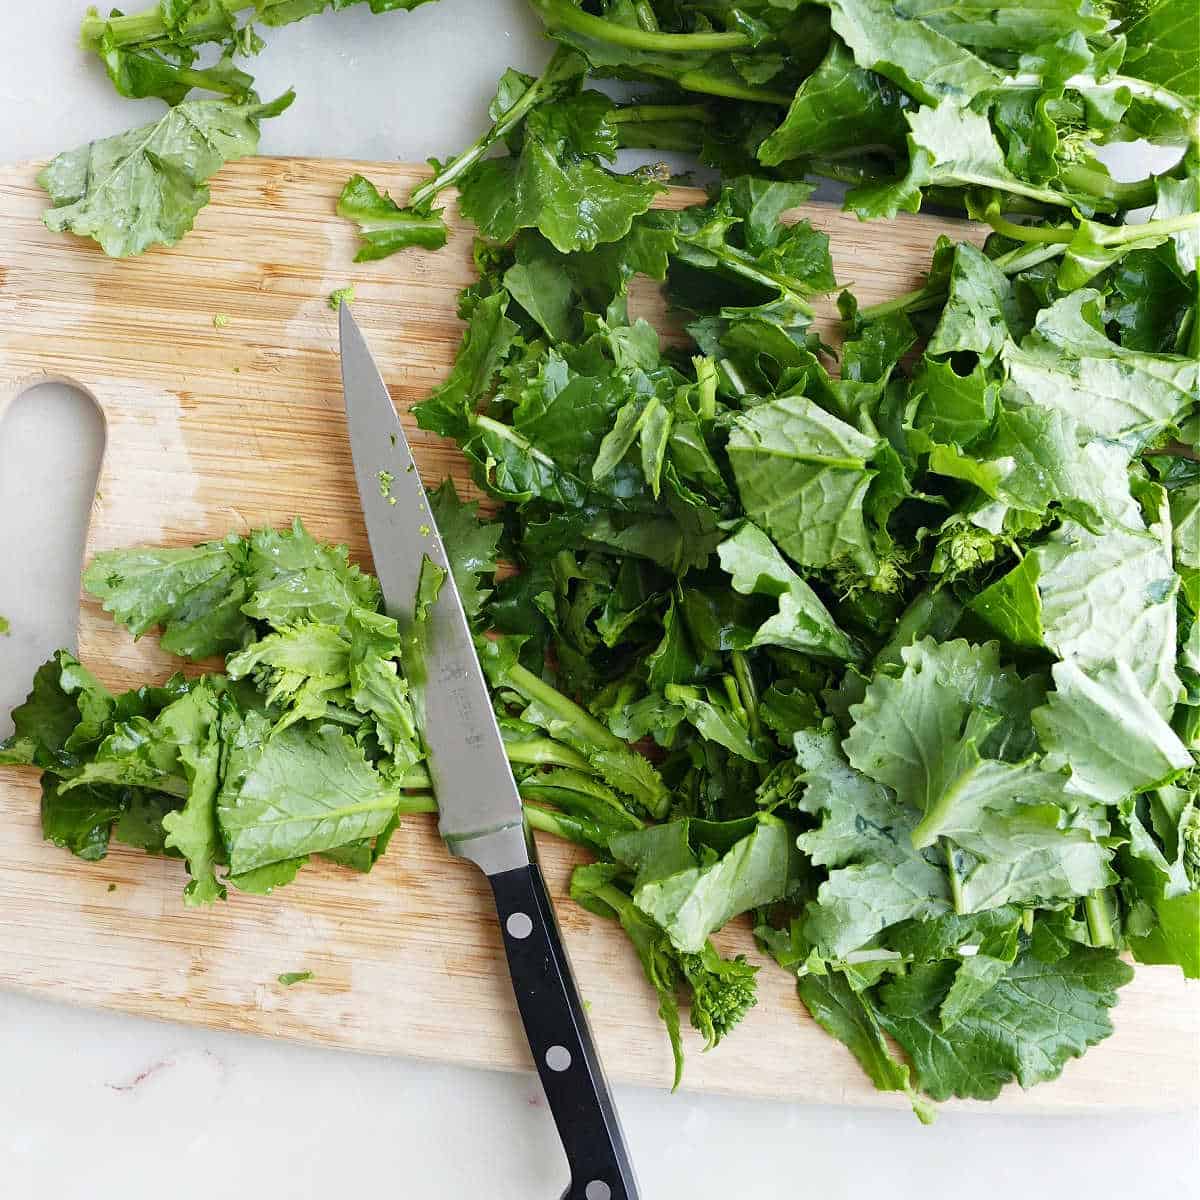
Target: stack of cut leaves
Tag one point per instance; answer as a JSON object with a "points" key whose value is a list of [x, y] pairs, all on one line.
{"points": [[305, 745], [907, 644]]}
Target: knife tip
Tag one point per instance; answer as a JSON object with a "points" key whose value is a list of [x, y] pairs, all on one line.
{"points": [[346, 322]]}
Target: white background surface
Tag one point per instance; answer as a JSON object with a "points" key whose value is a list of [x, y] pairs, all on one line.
{"points": [[99, 1106]]}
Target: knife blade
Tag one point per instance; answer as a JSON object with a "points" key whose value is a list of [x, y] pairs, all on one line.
{"points": [[479, 806]]}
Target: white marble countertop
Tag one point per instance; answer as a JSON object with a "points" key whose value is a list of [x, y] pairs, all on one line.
{"points": [[99, 1106]]}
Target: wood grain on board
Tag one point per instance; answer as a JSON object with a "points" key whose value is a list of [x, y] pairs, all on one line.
{"points": [[216, 429]]}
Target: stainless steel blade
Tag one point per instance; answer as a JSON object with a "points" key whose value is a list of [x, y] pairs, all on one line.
{"points": [[478, 803]]}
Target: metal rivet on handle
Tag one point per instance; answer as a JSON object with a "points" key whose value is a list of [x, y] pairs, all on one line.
{"points": [[519, 925], [558, 1058], [597, 1190]]}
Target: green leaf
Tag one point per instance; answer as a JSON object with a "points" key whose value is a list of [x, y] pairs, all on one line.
{"points": [[191, 723], [194, 594], [715, 720], [802, 475], [296, 792], [383, 225], [1067, 363], [866, 833], [487, 339], [293, 578], [689, 895], [140, 825], [144, 187], [1008, 25], [540, 283], [554, 183], [62, 720], [952, 408], [948, 146], [80, 819], [1101, 727], [264, 880], [922, 734], [1032, 460], [979, 307], [802, 622], [1027, 1026], [471, 544], [1163, 45], [1176, 198], [1012, 606], [735, 259], [839, 105], [1176, 936], [910, 52], [850, 1017], [1111, 595]]}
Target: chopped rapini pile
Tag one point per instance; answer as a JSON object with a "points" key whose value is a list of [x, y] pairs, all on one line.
{"points": [[896, 651]]}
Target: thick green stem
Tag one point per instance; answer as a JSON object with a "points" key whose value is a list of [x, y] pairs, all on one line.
{"points": [[1124, 194], [536, 752], [410, 803], [734, 696], [747, 690], [565, 825], [1121, 235], [1030, 233], [1086, 83], [658, 112], [545, 752], [415, 777], [952, 871], [1116, 235], [708, 84], [562, 14], [647, 18], [1027, 921], [148, 26], [570, 790], [614, 898], [682, 136], [1098, 918], [581, 722]]}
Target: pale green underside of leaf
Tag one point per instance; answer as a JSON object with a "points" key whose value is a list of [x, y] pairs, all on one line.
{"points": [[144, 187]]}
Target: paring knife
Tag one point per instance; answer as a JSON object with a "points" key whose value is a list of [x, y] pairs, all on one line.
{"points": [[479, 806]]}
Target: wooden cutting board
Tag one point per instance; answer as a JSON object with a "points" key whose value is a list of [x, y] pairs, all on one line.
{"points": [[211, 429]]}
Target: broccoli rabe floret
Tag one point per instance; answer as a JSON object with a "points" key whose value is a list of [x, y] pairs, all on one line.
{"points": [[723, 991]]}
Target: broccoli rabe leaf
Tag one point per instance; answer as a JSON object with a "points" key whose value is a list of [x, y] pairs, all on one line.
{"points": [[296, 792], [692, 877], [144, 187], [803, 476], [1069, 363], [837, 106], [803, 622], [383, 225], [1027, 1026], [555, 182], [851, 1017]]}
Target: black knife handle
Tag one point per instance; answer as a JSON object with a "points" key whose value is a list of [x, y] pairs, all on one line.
{"points": [[561, 1042]]}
